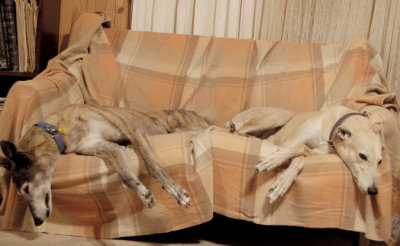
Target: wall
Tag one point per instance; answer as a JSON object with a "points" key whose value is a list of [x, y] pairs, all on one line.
{"points": [[322, 21], [337, 21], [117, 10]]}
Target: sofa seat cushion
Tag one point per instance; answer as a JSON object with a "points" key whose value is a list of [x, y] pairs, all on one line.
{"points": [[324, 195], [89, 199]]}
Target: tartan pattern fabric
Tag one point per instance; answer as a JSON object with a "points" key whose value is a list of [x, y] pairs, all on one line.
{"points": [[218, 78]]}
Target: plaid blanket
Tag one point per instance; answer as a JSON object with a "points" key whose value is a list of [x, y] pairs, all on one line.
{"points": [[218, 78]]}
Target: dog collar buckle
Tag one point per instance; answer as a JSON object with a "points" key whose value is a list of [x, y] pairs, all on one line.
{"points": [[366, 114], [52, 130]]}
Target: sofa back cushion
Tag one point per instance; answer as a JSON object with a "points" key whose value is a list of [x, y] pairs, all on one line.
{"points": [[220, 77]]}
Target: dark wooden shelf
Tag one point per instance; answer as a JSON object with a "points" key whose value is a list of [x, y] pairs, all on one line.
{"points": [[17, 74], [46, 44]]}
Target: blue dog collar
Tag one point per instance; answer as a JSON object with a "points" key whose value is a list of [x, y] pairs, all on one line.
{"points": [[52, 130], [341, 120]]}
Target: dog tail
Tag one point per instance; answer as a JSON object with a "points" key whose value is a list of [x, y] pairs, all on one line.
{"points": [[230, 126]]}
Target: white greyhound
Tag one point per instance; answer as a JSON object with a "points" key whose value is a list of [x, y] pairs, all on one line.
{"points": [[336, 129]]}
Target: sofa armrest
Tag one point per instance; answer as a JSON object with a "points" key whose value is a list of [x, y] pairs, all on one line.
{"points": [[31, 100]]}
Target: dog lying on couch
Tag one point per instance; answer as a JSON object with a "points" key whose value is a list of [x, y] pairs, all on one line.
{"points": [[96, 131], [336, 129]]}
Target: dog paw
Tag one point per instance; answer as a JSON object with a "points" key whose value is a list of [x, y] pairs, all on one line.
{"points": [[151, 200], [273, 160], [281, 185], [147, 197], [230, 126], [179, 194], [274, 193], [260, 167], [183, 198], [266, 165]]}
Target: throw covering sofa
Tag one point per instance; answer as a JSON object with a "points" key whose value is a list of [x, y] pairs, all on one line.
{"points": [[217, 78]]}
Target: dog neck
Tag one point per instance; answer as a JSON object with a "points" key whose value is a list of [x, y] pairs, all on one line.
{"points": [[340, 121], [41, 145], [53, 131]]}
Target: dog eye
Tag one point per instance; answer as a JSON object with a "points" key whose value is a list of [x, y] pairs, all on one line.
{"points": [[364, 157], [380, 161], [47, 198]]}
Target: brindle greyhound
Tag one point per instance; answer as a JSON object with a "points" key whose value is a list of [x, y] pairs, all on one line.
{"points": [[95, 131]]}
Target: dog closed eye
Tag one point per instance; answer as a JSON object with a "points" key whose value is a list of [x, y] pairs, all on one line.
{"points": [[26, 189]]}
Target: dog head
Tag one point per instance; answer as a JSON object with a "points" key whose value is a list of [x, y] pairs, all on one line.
{"points": [[31, 180], [358, 143]]}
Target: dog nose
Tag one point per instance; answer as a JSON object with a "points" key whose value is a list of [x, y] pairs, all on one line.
{"points": [[38, 222], [372, 190]]}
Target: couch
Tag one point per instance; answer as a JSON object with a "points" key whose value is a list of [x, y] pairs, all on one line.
{"points": [[217, 78]]}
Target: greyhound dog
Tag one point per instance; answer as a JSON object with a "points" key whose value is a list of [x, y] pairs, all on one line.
{"points": [[94, 131], [336, 129]]}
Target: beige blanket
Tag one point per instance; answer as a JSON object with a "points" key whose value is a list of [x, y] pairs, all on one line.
{"points": [[218, 78]]}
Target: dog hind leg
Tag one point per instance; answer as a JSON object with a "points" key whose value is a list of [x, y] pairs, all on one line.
{"points": [[285, 180], [115, 156], [174, 189]]}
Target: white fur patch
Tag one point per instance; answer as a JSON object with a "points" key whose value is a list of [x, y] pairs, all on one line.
{"points": [[267, 147]]}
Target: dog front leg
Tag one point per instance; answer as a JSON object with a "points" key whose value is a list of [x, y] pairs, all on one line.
{"points": [[280, 156], [115, 156], [286, 179], [174, 189]]}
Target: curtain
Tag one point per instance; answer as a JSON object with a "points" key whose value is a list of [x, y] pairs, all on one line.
{"points": [[221, 18]]}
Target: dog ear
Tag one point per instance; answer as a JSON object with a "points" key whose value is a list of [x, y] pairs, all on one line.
{"points": [[377, 127], [342, 133], [6, 163], [9, 149]]}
